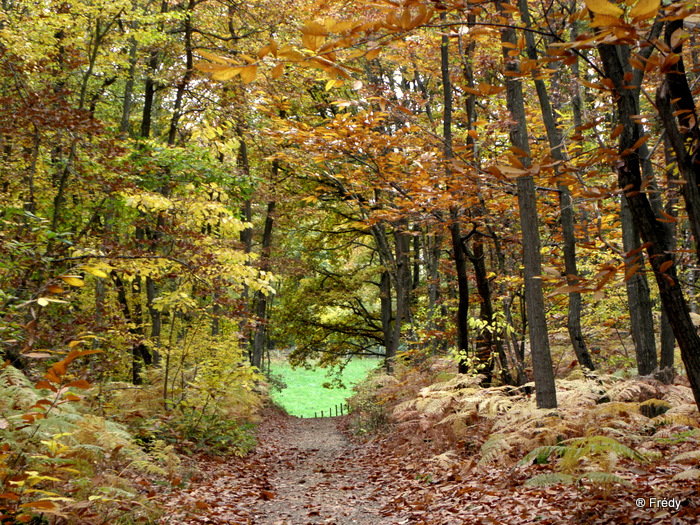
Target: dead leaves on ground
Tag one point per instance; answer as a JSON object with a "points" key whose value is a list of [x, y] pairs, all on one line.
{"points": [[442, 481]]}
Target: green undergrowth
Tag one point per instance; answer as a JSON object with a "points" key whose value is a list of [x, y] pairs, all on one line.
{"points": [[73, 451], [308, 390]]}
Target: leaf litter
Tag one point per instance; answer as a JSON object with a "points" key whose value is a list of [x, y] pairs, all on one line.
{"points": [[312, 471]]}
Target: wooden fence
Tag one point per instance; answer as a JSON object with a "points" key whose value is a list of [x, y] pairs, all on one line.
{"points": [[337, 410]]}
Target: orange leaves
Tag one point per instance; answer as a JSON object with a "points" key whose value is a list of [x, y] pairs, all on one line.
{"points": [[484, 89], [645, 9], [277, 71], [59, 368], [611, 15], [270, 49], [248, 74], [406, 19], [313, 35], [636, 145], [665, 266], [223, 73]]}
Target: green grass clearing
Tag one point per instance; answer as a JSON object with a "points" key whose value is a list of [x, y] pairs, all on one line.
{"points": [[305, 393]]}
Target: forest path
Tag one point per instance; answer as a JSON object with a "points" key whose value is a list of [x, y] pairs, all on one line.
{"points": [[318, 476], [304, 471]]}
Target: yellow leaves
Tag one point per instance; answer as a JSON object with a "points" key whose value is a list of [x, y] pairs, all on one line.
{"points": [[609, 14], [277, 71], [645, 9], [73, 280], [148, 201], [290, 53], [605, 8], [312, 42], [270, 49], [604, 20], [217, 59], [97, 271], [248, 74], [313, 35], [223, 73], [223, 69], [484, 89], [333, 83], [313, 28]]}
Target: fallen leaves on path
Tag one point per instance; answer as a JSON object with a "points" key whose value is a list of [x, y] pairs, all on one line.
{"points": [[306, 471]]}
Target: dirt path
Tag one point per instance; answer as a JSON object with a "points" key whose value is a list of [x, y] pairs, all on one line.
{"points": [[317, 476], [305, 471]]}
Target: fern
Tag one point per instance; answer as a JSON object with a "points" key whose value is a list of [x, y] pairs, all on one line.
{"points": [[493, 448], [634, 391], [147, 467], [542, 454], [600, 452], [687, 457], [692, 474], [603, 445], [549, 479], [604, 478]]}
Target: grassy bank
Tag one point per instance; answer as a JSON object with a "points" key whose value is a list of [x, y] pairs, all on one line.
{"points": [[305, 393]]}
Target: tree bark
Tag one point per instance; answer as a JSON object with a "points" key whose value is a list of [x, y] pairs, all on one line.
{"points": [[638, 297], [460, 259], [655, 238], [556, 145], [261, 312], [545, 389]]}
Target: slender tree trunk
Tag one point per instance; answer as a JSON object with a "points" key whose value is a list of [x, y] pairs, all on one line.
{"points": [[186, 78], [462, 295], [393, 269], [556, 145], [129, 89], [455, 215], [261, 311], [545, 389], [638, 296], [668, 341], [149, 91], [614, 60]]}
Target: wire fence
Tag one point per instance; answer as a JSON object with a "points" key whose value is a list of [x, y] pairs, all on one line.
{"points": [[334, 411]]}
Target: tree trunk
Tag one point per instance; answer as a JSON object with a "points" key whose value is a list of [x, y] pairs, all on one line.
{"points": [[185, 81], [668, 341], [630, 180], [455, 230], [462, 296], [545, 389], [261, 312], [638, 298], [556, 142]]}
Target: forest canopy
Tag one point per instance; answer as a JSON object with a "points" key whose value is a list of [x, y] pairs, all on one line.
{"points": [[186, 186]]}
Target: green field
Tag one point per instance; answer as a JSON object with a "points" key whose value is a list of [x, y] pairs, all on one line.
{"points": [[305, 393]]}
